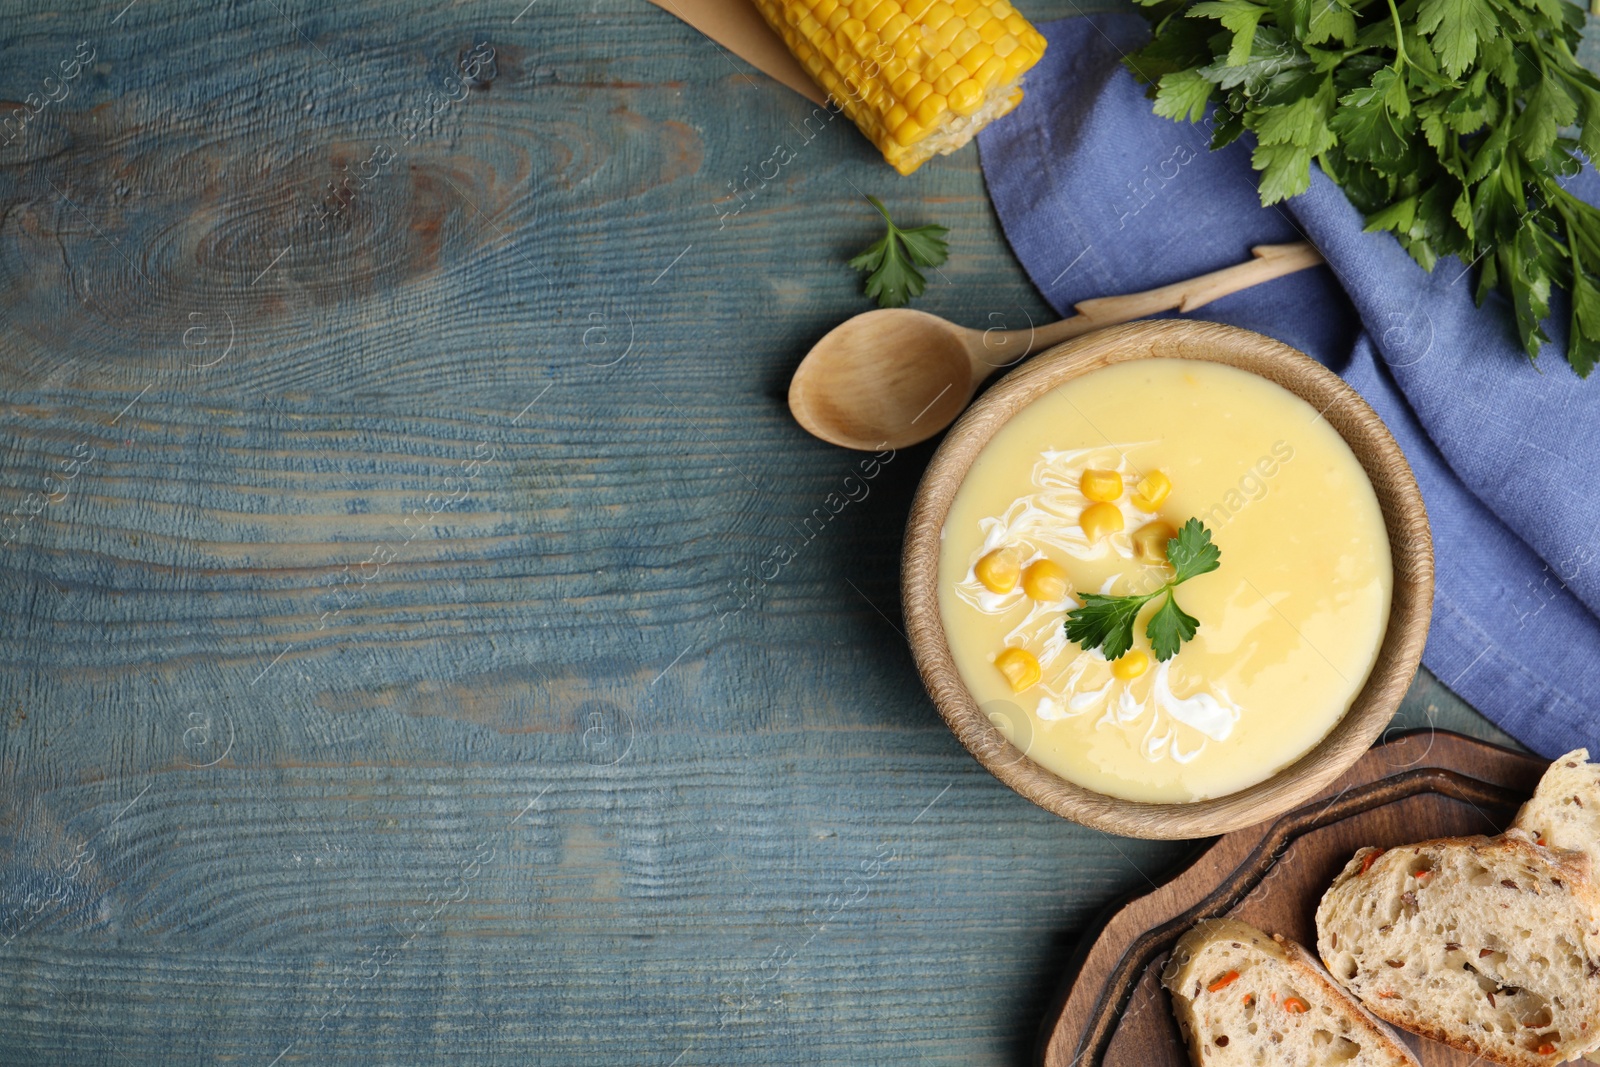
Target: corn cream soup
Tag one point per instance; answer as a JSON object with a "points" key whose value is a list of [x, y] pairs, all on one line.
{"points": [[1080, 491]]}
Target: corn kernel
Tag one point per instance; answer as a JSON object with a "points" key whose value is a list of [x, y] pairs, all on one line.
{"points": [[965, 98], [1045, 581], [1151, 491], [1131, 665], [999, 570], [1101, 485], [991, 31], [1019, 667], [930, 109], [1099, 521], [878, 16], [1004, 43], [992, 71], [1150, 541], [977, 55], [908, 132], [946, 83]]}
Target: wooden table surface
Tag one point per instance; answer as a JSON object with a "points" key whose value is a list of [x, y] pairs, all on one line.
{"points": [[415, 646]]}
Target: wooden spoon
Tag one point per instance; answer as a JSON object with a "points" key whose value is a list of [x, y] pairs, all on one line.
{"points": [[891, 378]]}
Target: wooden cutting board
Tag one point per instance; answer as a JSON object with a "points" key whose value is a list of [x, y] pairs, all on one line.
{"points": [[1112, 1010]]}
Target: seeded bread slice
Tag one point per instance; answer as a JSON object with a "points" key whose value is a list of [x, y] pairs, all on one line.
{"points": [[1491, 945], [1244, 998], [1565, 809]]}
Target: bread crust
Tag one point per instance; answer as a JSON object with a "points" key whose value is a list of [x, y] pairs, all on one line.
{"points": [[1557, 812], [1573, 868]]}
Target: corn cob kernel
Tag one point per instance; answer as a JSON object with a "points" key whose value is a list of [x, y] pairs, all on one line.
{"points": [[965, 98]]}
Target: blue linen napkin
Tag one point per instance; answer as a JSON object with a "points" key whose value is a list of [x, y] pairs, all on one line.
{"points": [[1099, 196]]}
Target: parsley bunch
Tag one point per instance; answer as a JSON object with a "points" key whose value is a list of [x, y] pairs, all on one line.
{"points": [[1442, 121], [1106, 622], [894, 258]]}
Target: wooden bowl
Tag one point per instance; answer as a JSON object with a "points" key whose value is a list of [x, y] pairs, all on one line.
{"points": [[1410, 545]]}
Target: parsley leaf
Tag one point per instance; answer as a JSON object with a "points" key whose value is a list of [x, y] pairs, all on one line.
{"points": [[1182, 95], [1107, 622], [1191, 553], [1455, 26], [1170, 627], [1451, 124], [1240, 16], [893, 259]]}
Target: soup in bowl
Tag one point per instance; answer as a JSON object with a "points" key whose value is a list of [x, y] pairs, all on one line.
{"points": [[1169, 579]]}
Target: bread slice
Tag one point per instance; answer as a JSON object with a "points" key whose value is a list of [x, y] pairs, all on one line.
{"points": [[1565, 809], [1491, 945], [1242, 997]]}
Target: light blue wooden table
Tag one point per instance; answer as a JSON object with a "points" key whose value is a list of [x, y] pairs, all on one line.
{"points": [[393, 667]]}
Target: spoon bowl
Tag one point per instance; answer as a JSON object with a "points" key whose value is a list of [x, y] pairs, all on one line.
{"points": [[884, 379]]}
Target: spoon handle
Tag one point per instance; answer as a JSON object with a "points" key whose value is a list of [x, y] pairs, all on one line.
{"points": [[1268, 262]]}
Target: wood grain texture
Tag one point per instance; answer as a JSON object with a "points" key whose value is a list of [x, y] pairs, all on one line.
{"points": [[1113, 1011], [1410, 550], [254, 803]]}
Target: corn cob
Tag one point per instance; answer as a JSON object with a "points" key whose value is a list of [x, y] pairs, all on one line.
{"points": [[919, 77]]}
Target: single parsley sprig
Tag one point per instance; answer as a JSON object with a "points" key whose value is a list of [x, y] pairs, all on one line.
{"points": [[1446, 123], [1106, 622], [893, 260]]}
